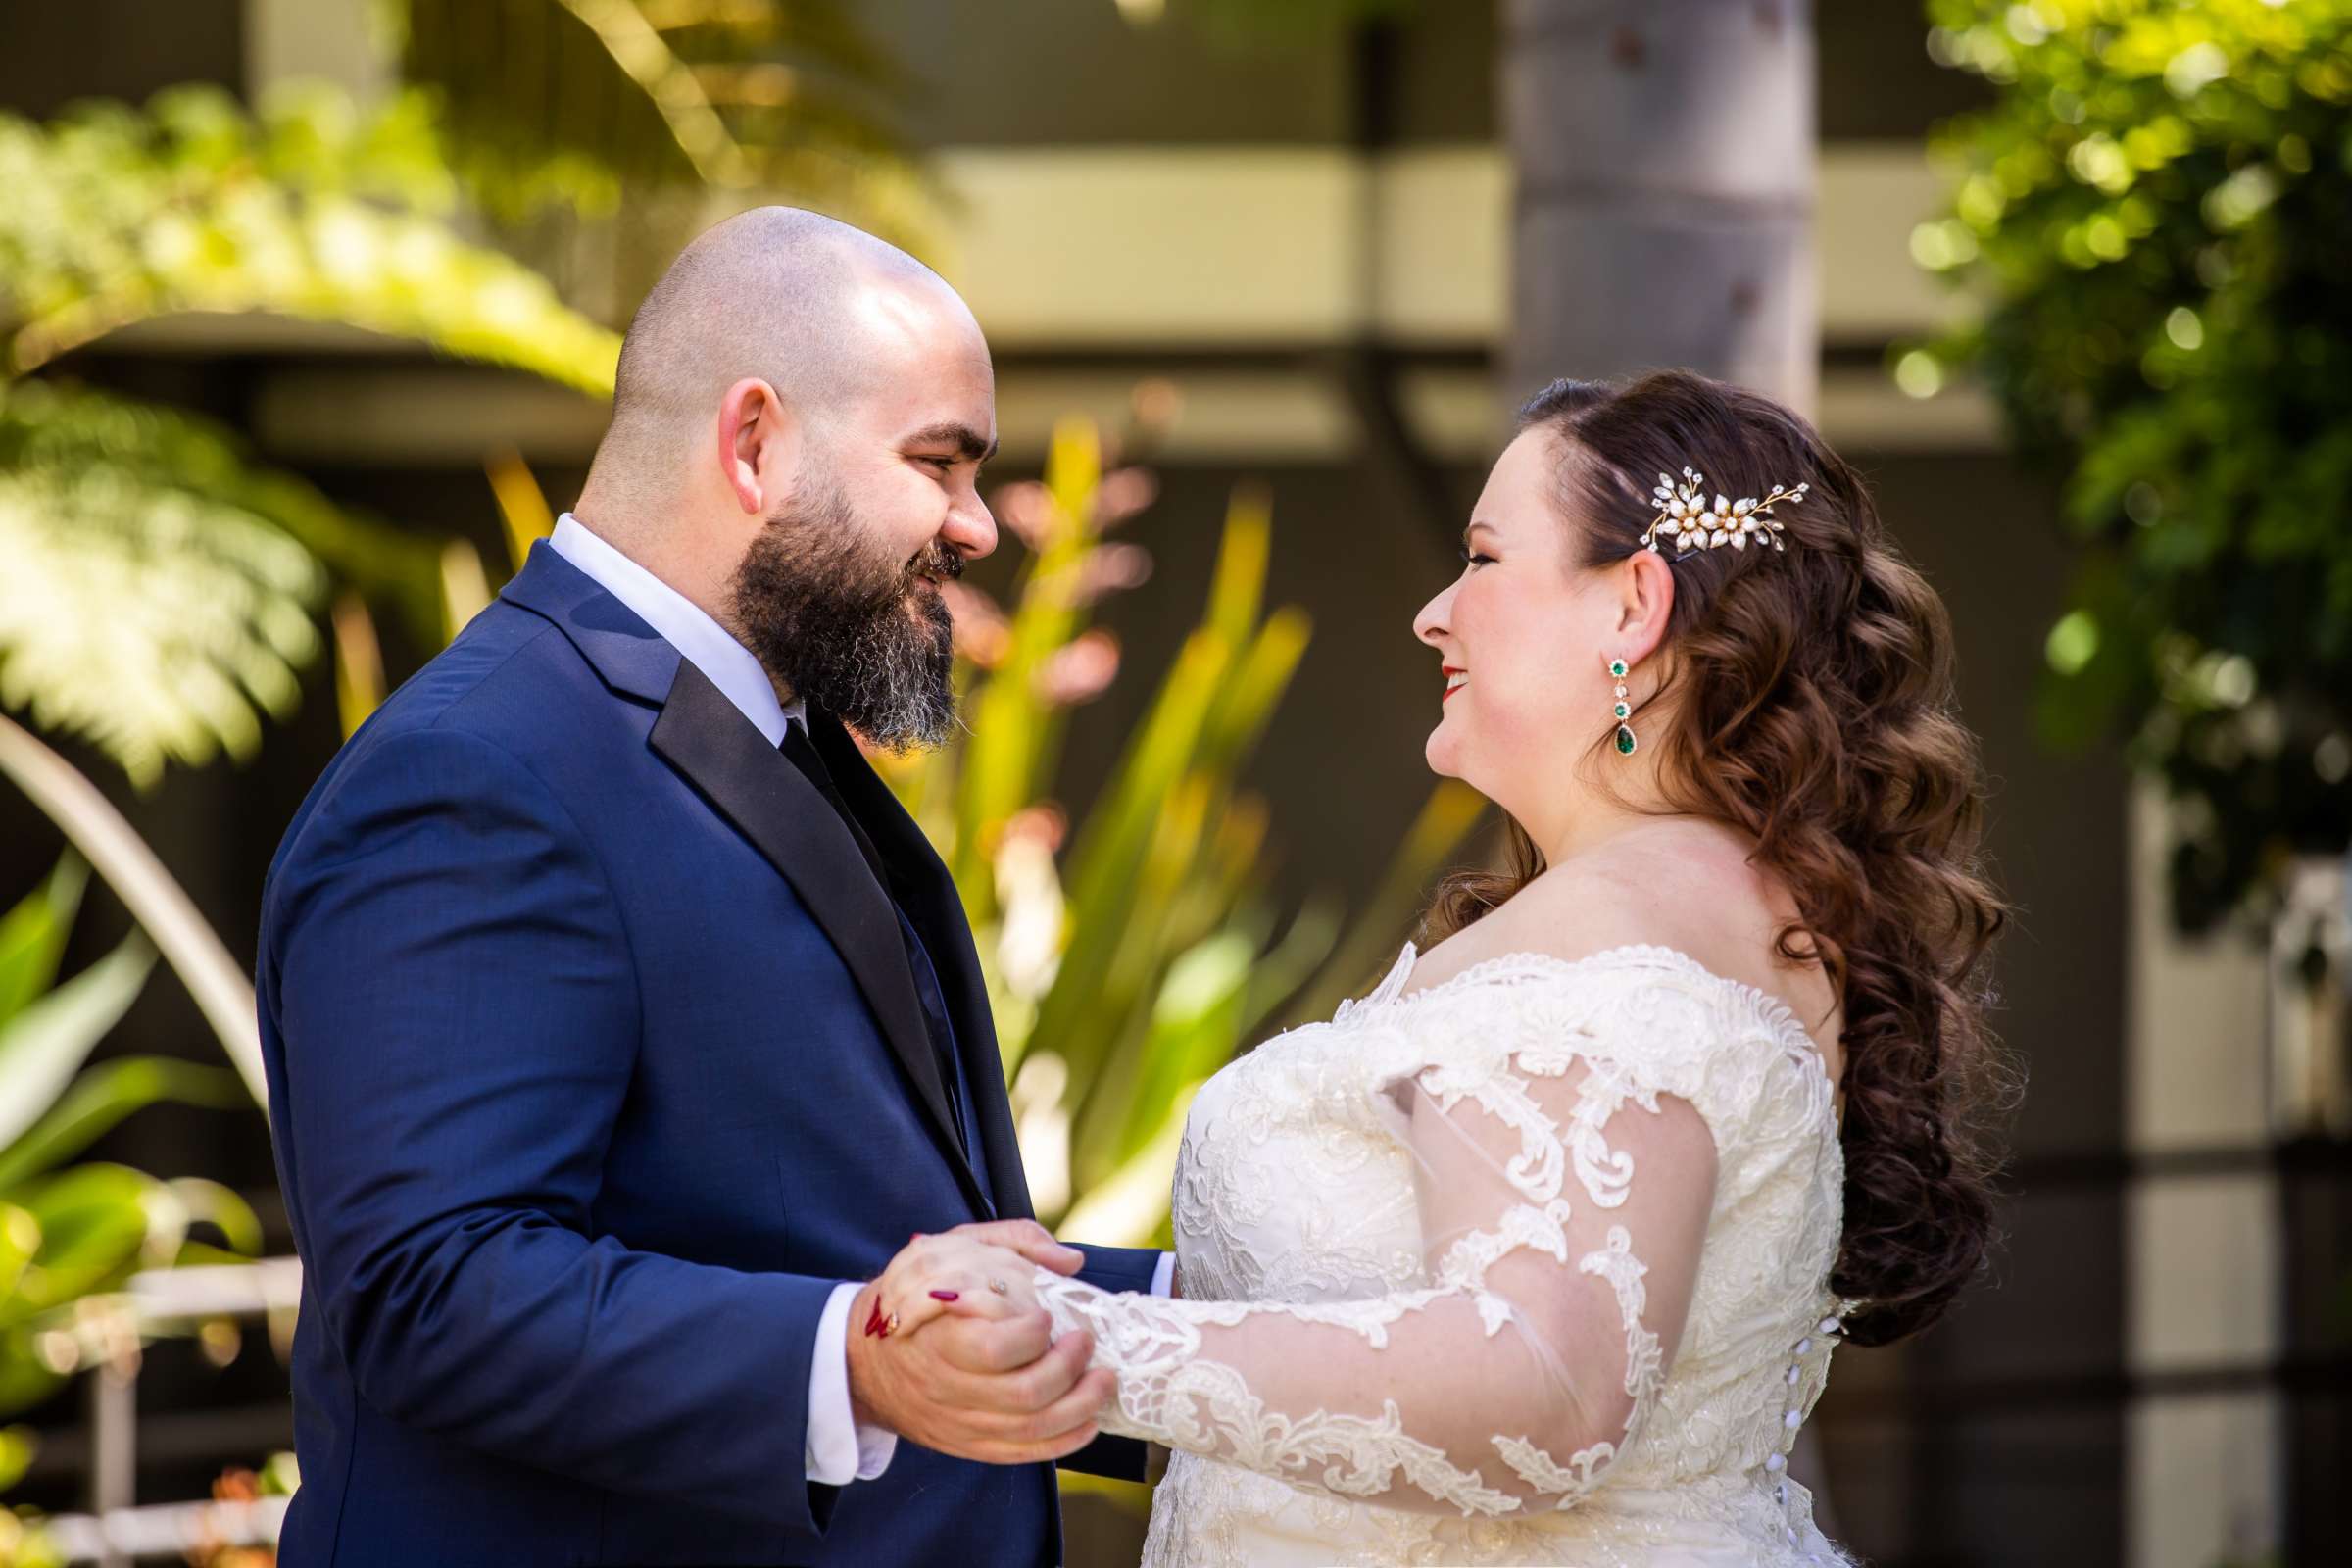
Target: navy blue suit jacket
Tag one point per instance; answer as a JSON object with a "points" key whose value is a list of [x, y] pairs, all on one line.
{"points": [[595, 1062]]}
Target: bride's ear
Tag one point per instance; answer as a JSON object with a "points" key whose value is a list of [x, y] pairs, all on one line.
{"points": [[1644, 585]]}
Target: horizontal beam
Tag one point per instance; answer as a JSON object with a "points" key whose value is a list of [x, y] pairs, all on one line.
{"points": [[1284, 409], [1285, 247]]}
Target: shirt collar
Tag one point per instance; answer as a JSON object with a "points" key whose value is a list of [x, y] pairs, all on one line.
{"points": [[684, 626]]}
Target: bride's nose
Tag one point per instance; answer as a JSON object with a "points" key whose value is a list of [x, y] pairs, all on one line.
{"points": [[1430, 624]]}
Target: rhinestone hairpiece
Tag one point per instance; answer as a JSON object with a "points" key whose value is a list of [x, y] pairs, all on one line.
{"points": [[1685, 516]]}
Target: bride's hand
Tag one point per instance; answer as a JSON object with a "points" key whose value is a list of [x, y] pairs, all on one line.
{"points": [[951, 1275]]}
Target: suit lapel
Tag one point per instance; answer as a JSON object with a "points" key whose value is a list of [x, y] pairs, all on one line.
{"points": [[928, 895], [723, 755]]}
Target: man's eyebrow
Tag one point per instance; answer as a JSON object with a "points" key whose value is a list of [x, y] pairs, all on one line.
{"points": [[970, 444]]}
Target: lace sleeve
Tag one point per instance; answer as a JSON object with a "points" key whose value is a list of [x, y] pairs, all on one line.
{"points": [[1563, 1199]]}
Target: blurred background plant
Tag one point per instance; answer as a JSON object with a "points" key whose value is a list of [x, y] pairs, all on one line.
{"points": [[166, 583], [2156, 211], [563, 112], [1134, 950], [72, 1236]]}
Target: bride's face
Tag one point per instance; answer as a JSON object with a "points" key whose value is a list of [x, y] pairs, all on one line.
{"points": [[1519, 639]]}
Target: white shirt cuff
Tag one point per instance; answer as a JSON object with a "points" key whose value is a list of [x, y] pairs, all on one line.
{"points": [[1163, 1275], [841, 1448]]}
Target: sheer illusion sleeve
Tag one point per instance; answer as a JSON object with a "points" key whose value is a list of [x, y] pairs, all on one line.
{"points": [[1563, 1188]]}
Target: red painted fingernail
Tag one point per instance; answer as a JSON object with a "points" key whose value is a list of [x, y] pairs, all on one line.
{"points": [[942, 1295]]}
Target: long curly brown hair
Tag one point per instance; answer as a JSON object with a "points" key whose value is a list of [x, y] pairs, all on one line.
{"points": [[1816, 716]]}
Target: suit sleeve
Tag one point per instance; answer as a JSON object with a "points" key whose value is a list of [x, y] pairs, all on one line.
{"points": [[457, 1002], [1119, 1268]]}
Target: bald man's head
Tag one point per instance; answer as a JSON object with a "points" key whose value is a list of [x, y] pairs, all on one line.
{"points": [[801, 301], [798, 431]]}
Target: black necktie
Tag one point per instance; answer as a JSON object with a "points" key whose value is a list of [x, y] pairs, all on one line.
{"points": [[802, 753]]}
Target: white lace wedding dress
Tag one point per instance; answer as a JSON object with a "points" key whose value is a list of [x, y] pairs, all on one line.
{"points": [[1529, 1266]]}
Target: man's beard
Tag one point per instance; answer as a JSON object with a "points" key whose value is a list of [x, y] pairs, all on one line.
{"points": [[853, 633]]}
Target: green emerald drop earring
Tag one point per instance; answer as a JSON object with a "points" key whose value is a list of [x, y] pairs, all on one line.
{"points": [[1618, 670]]}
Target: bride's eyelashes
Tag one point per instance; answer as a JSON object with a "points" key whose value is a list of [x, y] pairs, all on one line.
{"points": [[1471, 558]]}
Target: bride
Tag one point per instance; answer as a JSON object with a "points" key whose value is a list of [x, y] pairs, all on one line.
{"points": [[1539, 1253]]}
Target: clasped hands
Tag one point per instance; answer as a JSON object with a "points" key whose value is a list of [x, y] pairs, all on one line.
{"points": [[951, 1348]]}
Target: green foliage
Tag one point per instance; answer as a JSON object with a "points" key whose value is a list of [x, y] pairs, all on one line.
{"points": [[163, 583], [2158, 211], [574, 102], [310, 209], [152, 604], [1125, 972], [70, 1234]]}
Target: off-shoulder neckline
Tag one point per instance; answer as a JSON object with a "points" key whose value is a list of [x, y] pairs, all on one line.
{"points": [[1776, 1013]]}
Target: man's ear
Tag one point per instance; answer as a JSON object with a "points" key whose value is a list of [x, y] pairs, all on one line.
{"points": [[1644, 588], [759, 446]]}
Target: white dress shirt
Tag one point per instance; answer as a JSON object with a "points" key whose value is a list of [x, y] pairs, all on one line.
{"points": [[840, 1448]]}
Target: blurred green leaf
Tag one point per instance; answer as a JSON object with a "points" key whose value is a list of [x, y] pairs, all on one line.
{"points": [[95, 1224], [18, 1445], [45, 1044], [103, 1096], [1445, 820], [33, 935], [209, 1203]]}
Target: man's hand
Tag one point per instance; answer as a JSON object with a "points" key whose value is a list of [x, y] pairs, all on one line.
{"points": [[984, 1380], [1026, 1237]]}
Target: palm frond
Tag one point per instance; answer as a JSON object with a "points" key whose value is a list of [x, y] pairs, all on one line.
{"points": [[158, 597], [579, 99], [310, 209], [145, 615]]}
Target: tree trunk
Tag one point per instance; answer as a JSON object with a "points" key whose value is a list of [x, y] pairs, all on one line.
{"points": [[1664, 154]]}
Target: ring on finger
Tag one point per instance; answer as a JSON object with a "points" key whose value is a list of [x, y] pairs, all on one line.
{"points": [[998, 1285]]}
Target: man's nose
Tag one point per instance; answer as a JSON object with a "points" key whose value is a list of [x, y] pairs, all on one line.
{"points": [[971, 528]]}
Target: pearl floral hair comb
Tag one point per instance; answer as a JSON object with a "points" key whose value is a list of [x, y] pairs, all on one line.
{"points": [[1685, 516]]}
